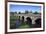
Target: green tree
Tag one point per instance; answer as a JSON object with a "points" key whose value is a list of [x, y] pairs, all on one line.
{"points": [[19, 13], [30, 11], [16, 12], [26, 12], [12, 13], [35, 12]]}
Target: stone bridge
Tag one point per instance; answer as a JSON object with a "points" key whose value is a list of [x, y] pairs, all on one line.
{"points": [[31, 15]]}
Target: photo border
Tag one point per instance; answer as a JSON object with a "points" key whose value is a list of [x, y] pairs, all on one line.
{"points": [[24, 2]]}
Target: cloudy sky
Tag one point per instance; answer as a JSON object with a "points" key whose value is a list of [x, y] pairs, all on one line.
{"points": [[22, 8]]}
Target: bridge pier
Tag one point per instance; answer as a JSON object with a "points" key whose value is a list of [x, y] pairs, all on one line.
{"points": [[32, 17], [33, 21]]}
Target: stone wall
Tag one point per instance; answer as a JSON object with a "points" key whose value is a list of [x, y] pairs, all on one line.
{"points": [[32, 16]]}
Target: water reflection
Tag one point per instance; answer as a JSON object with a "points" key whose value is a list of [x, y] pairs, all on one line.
{"points": [[18, 23]]}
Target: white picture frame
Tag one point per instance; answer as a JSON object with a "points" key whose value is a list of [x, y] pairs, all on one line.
{"points": [[27, 29]]}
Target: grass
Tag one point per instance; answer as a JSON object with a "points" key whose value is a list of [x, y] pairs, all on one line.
{"points": [[13, 20], [24, 26]]}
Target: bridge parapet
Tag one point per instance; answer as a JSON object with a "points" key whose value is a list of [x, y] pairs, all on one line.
{"points": [[32, 16]]}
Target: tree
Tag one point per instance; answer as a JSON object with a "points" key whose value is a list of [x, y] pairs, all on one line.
{"points": [[15, 12], [26, 12], [12, 13], [19, 13], [35, 12], [30, 11]]}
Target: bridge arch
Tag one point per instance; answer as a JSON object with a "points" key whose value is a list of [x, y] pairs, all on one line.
{"points": [[38, 22], [29, 19]]}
